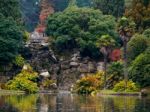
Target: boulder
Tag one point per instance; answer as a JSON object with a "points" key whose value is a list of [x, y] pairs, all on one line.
{"points": [[100, 66], [45, 74], [74, 64], [91, 67], [83, 68]]}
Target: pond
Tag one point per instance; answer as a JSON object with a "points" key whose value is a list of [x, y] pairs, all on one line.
{"points": [[66, 102]]}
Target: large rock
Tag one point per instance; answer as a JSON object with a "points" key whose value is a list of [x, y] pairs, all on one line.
{"points": [[45, 74], [74, 64], [65, 65], [83, 68], [100, 66], [91, 67]]}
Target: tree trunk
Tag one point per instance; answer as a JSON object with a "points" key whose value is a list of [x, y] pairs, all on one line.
{"points": [[105, 70], [125, 63]]}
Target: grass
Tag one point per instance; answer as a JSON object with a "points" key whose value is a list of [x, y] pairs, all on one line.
{"points": [[111, 92]]}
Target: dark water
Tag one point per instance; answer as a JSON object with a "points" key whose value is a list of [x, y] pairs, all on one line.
{"points": [[72, 103]]}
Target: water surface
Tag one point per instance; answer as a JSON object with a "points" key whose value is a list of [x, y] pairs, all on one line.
{"points": [[65, 102]]}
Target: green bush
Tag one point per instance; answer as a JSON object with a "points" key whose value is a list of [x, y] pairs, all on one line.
{"points": [[115, 73], [19, 61], [139, 70], [147, 33], [88, 84], [131, 87], [25, 81], [137, 45]]}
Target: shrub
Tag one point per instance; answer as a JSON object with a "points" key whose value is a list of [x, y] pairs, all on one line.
{"points": [[47, 83], [19, 61], [139, 70], [131, 87], [25, 81], [26, 36], [147, 33], [137, 45], [115, 73], [89, 83]]}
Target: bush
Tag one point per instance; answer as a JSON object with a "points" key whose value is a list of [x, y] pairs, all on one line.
{"points": [[139, 70], [19, 61], [115, 73], [25, 81], [131, 87], [89, 83], [136, 46], [146, 33]]}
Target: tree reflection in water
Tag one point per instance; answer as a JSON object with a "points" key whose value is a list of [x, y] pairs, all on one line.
{"points": [[65, 102]]}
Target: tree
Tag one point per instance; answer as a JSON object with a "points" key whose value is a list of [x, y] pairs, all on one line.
{"points": [[10, 39], [136, 46], [78, 28], [115, 72], [125, 30], [139, 70], [146, 33], [10, 8], [112, 7], [140, 13], [105, 42]]}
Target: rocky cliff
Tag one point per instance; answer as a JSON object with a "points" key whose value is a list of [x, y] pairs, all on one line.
{"points": [[65, 68]]}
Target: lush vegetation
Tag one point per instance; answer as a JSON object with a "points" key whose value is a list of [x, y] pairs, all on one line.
{"points": [[115, 7], [10, 8], [131, 87], [80, 28], [10, 39], [25, 81], [89, 84], [94, 31]]}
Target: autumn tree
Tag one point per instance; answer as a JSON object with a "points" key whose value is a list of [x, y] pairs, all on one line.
{"points": [[105, 43], [140, 13]]}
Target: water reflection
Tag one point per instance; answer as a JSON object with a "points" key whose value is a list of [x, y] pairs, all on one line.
{"points": [[65, 102]]}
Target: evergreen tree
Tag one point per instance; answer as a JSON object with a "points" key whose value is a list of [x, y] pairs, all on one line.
{"points": [[111, 7], [10, 39], [10, 8]]}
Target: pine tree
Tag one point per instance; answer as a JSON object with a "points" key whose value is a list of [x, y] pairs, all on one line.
{"points": [[10, 8]]}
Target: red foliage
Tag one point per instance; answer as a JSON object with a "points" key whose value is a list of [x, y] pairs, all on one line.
{"points": [[46, 10], [115, 55]]}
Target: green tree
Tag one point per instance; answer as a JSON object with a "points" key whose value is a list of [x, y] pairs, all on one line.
{"points": [[136, 46], [112, 7], [125, 30], [78, 28], [10, 39], [146, 33], [105, 43], [140, 13], [10, 8], [115, 73], [140, 69]]}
